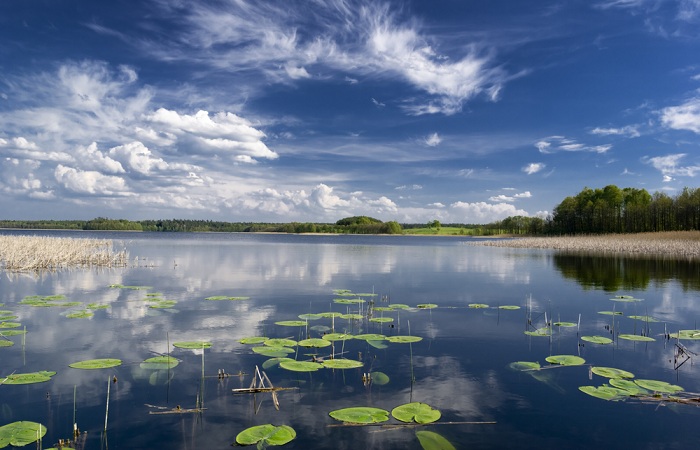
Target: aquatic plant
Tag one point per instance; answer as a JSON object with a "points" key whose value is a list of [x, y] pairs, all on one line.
{"points": [[430, 440], [28, 378], [597, 339], [416, 412], [91, 364], [266, 435], [21, 433], [360, 415]]}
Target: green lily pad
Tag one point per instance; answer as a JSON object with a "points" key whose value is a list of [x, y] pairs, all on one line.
{"points": [[314, 342], [272, 362], [4, 343], [629, 386], [604, 392], [85, 314], [416, 412], [133, 288], [382, 319], [379, 378], [659, 386], [310, 316], [564, 324], [352, 316], [625, 298], [97, 305], [4, 318], [611, 372], [291, 323], [10, 324], [280, 342], [273, 352], [28, 378], [597, 339], [370, 337], [426, 306], [478, 305], [686, 334], [524, 365], [360, 414], [565, 360], [430, 440], [265, 435], [192, 345], [540, 332], [22, 433], [644, 318], [342, 364], [337, 337], [610, 313], [634, 337], [382, 308], [404, 339], [348, 301], [509, 307], [159, 363], [225, 297], [163, 304], [378, 344], [399, 306], [329, 315], [300, 366], [253, 340], [12, 332], [96, 363]]}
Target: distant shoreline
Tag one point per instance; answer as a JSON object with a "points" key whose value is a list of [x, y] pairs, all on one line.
{"points": [[681, 244]]}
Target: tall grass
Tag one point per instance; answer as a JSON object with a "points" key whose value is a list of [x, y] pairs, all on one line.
{"points": [[25, 253]]}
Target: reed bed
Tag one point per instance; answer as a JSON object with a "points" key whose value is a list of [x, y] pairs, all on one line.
{"points": [[681, 244], [27, 253]]}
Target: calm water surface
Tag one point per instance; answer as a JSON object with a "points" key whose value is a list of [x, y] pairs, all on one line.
{"points": [[460, 367]]}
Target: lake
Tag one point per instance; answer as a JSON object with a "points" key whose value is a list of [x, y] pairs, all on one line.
{"points": [[461, 366]]}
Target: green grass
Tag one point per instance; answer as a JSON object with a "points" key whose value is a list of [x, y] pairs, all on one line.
{"points": [[442, 231]]}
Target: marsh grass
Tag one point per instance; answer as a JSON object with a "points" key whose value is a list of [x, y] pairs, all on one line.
{"points": [[26, 253], [673, 243]]}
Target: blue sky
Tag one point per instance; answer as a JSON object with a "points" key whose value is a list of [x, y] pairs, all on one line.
{"points": [[462, 111]]}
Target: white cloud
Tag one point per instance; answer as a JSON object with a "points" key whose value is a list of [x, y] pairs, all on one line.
{"points": [[683, 117], [533, 168], [89, 181], [669, 166], [433, 140], [629, 131], [502, 198], [553, 144], [525, 194], [481, 212], [91, 157]]}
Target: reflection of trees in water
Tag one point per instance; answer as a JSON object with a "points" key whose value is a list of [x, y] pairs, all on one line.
{"points": [[615, 273]]}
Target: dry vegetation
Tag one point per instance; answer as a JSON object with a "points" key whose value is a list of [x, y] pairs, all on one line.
{"points": [[24, 253], [682, 244]]}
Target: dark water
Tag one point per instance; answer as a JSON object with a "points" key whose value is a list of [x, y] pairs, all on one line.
{"points": [[460, 367]]}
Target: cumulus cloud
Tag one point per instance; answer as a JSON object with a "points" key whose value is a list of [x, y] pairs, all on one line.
{"points": [[89, 181], [553, 144], [510, 198], [533, 168], [670, 166], [482, 212], [683, 117], [433, 140]]}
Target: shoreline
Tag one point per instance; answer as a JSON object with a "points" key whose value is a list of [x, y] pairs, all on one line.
{"points": [[681, 244]]}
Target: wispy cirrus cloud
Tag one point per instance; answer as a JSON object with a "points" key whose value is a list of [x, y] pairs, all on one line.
{"points": [[626, 131], [533, 168], [554, 144], [670, 166]]}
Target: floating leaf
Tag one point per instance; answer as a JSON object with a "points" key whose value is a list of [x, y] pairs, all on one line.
{"points": [[10, 324], [97, 305], [337, 336], [163, 304], [659, 386], [604, 392], [611, 372], [509, 307], [300, 366], [539, 332], [192, 344], [524, 365], [378, 344], [21, 433], [478, 305], [4, 343], [564, 324], [314, 342], [360, 414], [96, 363], [370, 337], [329, 315], [610, 313], [272, 362], [159, 363], [430, 440], [426, 306], [399, 306], [264, 435], [634, 337], [28, 378], [382, 319], [291, 323], [253, 340], [280, 342], [382, 308], [565, 360], [341, 364], [134, 288], [4, 318], [273, 352], [225, 297], [416, 412], [352, 316], [12, 332], [597, 339], [379, 378], [625, 298], [310, 316], [404, 339], [84, 314], [348, 301], [686, 334], [644, 318], [629, 386]]}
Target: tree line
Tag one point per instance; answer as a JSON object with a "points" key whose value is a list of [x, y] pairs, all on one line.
{"points": [[613, 210]]}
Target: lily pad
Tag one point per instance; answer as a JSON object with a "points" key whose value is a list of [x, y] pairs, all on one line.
{"points": [[84, 314], [97, 305], [19, 434], [28, 378], [4, 318], [611, 372], [509, 307], [597, 339], [426, 306], [659, 386], [382, 308], [342, 364], [192, 344], [160, 362], [564, 324], [399, 306], [478, 305], [265, 435], [225, 297], [272, 362], [253, 340], [635, 337], [163, 304], [90, 364], [610, 313], [12, 332], [644, 318], [625, 298], [686, 334], [565, 360], [300, 366], [348, 301], [416, 412], [314, 342], [382, 319], [4, 343], [329, 315], [541, 332], [352, 316], [337, 336], [10, 324], [360, 414], [370, 337], [524, 365], [604, 392], [404, 339], [430, 440], [629, 386], [291, 323], [273, 352], [309, 316], [280, 342], [379, 378]]}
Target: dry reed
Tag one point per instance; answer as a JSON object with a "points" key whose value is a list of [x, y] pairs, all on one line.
{"points": [[681, 244], [27, 253]]}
